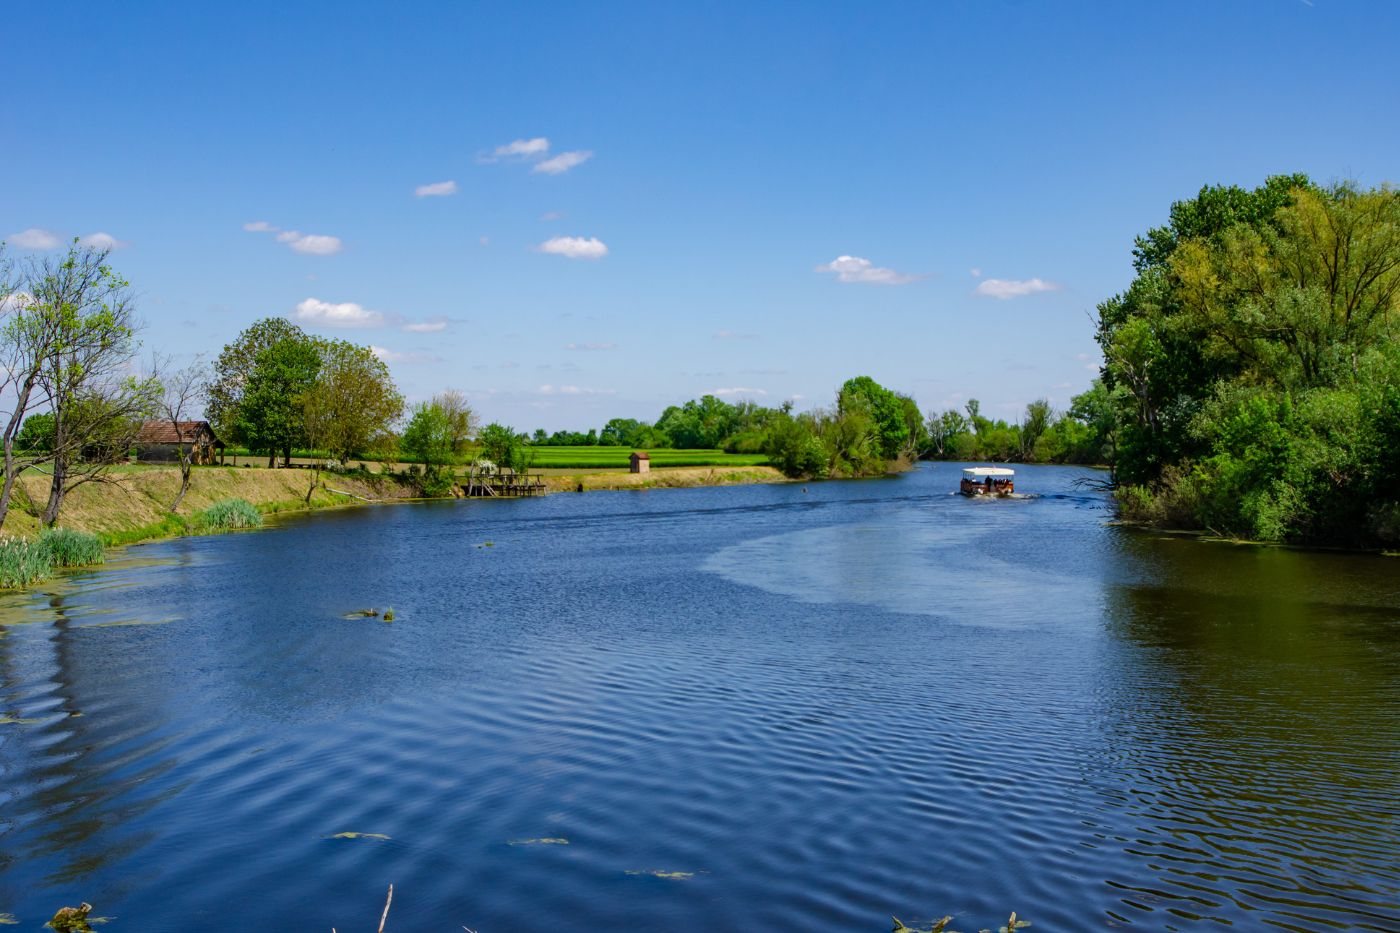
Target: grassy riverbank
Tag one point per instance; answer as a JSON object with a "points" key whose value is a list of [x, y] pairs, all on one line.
{"points": [[133, 505]]}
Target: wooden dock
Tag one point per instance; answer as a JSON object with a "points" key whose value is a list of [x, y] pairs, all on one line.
{"points": [[504, 484]]}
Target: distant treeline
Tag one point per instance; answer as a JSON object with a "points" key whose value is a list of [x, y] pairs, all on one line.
{"points": [[870, 429]]}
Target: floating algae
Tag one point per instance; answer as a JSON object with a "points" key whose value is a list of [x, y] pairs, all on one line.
{"points": [[17, 721], [358, 836], [547, 841], [8, 920], [362, 614]]}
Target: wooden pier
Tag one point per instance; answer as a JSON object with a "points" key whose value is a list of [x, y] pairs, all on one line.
{"points": [[503, 484]]}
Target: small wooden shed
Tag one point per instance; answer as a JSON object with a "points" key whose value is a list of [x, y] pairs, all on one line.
{"points": [[641, 461], [160, 441]]}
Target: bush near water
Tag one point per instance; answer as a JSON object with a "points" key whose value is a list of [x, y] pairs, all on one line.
{"points": [[230, 515], [25, 561]]}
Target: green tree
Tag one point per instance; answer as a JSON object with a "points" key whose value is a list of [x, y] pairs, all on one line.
{"points": [[429, 437], [270, 414], [351, 403], [233, 371]]}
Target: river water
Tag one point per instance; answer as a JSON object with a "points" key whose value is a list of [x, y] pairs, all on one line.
{"points": [[747, 708]]}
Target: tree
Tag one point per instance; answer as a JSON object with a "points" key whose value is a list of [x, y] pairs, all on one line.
{"points": [[461, 419], [503, 447], [79, 327], [269, 413], [234, 368], [1036, 422], [429, 437], [887, 412], [182, 391], [351, 402]]}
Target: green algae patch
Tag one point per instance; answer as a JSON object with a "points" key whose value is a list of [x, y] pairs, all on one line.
{"points": [[665, 875], [545, 841], [8, 920], [379, 836]]}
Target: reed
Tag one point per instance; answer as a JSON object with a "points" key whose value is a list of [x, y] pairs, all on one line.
{"points": [[230, 515], [23, 562], [68, 547]]}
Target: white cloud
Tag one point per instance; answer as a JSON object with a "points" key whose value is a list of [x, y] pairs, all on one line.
{"points": [[573, 390], [732, 335], [102, 240], [346, 314], [1014, 288], [975, 272], [520, 149], [591, 346], [563, 162], [552, 215], [855, 269], [14, 301], [575, 247], [34, 238], [396, 356], [426, 327], [736, 390], [438, 189], [311, 243]]}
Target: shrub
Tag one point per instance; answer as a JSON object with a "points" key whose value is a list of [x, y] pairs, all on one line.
{"points": [[230, 515], [68, 547], [23, 562]]}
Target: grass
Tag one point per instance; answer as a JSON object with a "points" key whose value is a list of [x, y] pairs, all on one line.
{"points": [[68, 547], [23, 562], [230, 515], [564, 458]]}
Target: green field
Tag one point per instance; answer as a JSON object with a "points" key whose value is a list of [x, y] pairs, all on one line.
{"points": [[564, 458]]}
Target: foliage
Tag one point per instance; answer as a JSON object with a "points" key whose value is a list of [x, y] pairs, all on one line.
{"points": [[37, 434], [1251, 378], [1083, 434], [234, 368], [504, 447], [270, 416], [68, 547], [22, 562], [352, 401], [230, 515]]}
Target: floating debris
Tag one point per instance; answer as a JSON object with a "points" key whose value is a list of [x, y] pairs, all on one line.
{"points": [[8, 920], [17, 721], [547, 841], [389, 614], [666, 875], [359, 836], [362, 614], [71, 919]]}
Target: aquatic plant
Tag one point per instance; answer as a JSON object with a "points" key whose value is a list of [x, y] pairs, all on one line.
{"points": [[230, 515], [941, 926], [23, 562], [68, 547], [389, 614]]}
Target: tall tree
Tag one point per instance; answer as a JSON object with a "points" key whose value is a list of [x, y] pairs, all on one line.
{"points": [[234, 368], [352, 402], [85, 308], [182, 391], [270, 415]]}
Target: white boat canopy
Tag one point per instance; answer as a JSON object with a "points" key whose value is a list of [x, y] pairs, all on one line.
{"points": [[988, 471]]}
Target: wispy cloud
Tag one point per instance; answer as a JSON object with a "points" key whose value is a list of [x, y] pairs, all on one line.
{"points": [[590, 346], [736, 390], [14, 301], [438, 189], [314, 244], [854, 269], [1014, 288], [519, 149], [396, 356], [102, 240], [34, 239], [345, 314], [561, 163], [575, 247], [573, 390], [552, 215], [426, 327], [733, 335]]}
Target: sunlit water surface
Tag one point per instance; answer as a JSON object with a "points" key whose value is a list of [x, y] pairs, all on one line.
{"points": [[767, 707]]}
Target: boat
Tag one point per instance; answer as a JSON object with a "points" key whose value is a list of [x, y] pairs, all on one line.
{"points": [[987, 481]]}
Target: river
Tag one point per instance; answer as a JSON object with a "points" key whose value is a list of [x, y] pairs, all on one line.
{"points": [[777, 707]]}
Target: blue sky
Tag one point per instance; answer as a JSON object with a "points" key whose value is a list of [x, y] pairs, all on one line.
{"points": [[683, 184]]}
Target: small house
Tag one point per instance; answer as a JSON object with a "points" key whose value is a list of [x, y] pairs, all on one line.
{"points": [[641, 461], [161, 441]]}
